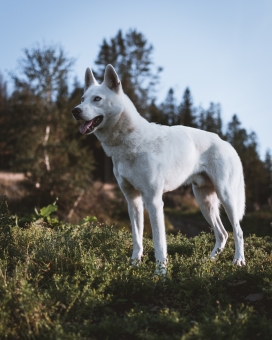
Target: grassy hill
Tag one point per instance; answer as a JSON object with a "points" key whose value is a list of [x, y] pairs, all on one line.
{"points": [[63, 281]]}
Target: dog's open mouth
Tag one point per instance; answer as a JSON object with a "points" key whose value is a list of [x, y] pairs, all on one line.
{"points": [[89, 126]]}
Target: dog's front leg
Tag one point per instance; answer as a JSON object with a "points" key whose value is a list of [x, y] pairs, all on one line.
{"points": [[136, 215], [154, 207]]}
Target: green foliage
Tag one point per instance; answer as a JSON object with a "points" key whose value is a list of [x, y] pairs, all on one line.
{"points": [[44, 71], [267, 190], [47, 211], [6, 221], [3, 93], [169, 109], [45, 140], [76, 282], [39, 137], [256, 177], [186, 111], [210, 120], [155, 114], [44, 217], [88, 219]]}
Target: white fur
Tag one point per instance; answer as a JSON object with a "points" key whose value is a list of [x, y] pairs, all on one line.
{"points": [[151, 159]]}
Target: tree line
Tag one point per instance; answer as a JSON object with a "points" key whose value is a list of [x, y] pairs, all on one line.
{"points": [[39, 137]]}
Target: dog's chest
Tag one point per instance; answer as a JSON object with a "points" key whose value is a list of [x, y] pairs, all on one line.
{"points": [[136, 170], [126, 165]]}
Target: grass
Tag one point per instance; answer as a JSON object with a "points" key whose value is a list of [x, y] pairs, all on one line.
{"points": [[63, 281]]}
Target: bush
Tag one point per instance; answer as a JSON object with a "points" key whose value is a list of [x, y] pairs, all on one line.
{"points": [[63, 281]]}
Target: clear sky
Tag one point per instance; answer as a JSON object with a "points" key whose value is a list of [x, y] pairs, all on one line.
{"points": [[221, 49]]}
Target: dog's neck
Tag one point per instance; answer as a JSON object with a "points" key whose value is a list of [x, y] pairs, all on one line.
{"points": [[128, 122]]}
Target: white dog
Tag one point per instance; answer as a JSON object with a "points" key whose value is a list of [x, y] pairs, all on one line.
{"points": [[150, 159]]}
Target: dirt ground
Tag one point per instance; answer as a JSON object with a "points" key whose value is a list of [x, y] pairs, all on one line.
{"points": [[107, 203]]}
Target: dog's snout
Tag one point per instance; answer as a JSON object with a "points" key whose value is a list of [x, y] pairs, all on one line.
{"points": [[77, 113]]}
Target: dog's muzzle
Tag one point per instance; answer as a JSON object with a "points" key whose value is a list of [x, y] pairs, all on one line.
{"points": [[77, 113]]}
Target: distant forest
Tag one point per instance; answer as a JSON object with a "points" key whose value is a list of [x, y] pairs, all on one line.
{"points": [[39, 137]]}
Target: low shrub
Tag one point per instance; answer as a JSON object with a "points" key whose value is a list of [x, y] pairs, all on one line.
{"points": [[63, 281]]}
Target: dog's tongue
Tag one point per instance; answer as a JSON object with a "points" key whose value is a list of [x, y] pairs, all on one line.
{"points": [[84, 127]]}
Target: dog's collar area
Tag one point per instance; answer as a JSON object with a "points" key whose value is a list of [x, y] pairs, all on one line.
{"points": [[89, 126]]}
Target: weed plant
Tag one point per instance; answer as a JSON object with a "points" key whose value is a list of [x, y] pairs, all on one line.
{"points": [[63, 281]]}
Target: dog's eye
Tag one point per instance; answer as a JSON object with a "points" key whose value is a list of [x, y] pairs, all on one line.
{"points": [[82, 99], [96, 99]]}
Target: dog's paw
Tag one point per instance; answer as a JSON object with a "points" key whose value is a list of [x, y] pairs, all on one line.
{"points": [[160, 271], [161, 268], [136, 262], [239, 262], [216, 251]]}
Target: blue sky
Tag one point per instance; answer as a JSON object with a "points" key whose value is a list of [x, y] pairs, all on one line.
{"points": [[222, 49]]}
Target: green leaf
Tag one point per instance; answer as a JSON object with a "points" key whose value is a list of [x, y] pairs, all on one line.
{"points": [[88, 219], [47, 211]]}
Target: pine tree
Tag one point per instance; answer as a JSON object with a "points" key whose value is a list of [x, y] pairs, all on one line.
{"points": [[236, 135], [253, 169], [246, 145], [155, 114], [268, 179], [186, 111], [210, 120], [4, 147], [169, 109], [3, 93], [131, 55]]}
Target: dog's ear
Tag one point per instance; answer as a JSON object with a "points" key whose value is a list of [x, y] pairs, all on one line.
{"points": [[111, 79], [89, 79]]}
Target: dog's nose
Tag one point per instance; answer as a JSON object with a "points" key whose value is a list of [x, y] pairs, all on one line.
{"points": [[77, 113]]}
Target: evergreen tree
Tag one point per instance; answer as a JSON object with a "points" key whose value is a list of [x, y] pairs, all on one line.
{"points": [[210, 120], [48, 150], [39, 137], [155, 114], [3, 93], [236, 135], [186, 113], [253, 169], [4, 148], [246, 146], [267, 198], [169, 109], [131, 55]]}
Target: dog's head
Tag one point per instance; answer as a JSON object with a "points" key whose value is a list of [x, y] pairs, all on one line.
{"points": [[100, 104]]}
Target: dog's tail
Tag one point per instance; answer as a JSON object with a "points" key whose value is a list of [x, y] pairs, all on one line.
{"points": [[241, 194]]}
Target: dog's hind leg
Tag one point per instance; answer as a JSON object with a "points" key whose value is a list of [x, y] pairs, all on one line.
{"points": [[209, 205], [232, 210]]}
